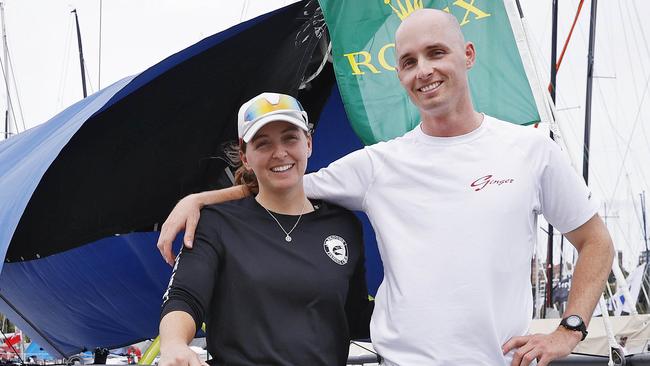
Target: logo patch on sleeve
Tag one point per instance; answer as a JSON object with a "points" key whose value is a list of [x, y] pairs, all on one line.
{"points": [[336, 248]]}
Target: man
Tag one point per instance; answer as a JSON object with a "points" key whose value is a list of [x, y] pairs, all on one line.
{"points": [[454, 204]]}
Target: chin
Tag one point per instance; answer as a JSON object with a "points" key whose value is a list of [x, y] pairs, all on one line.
{"points": [[284, 185]]}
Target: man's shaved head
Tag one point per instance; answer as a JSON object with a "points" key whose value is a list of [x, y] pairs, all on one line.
{"points": [[432, 60], [439, 20]]}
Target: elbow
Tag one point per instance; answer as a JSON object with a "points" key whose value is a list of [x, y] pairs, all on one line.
{"points": [[610, 250], [609, 246]]}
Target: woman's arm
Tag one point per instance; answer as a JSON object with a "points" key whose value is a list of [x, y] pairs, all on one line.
{"points": [[188, 296], [177, 330], [358, 307]]}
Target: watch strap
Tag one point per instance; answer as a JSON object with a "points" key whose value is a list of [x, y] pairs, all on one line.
{"points": [[581, 327]]}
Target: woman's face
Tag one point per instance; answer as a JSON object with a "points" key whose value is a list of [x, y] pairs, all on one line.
{"points": [[278, 155]]}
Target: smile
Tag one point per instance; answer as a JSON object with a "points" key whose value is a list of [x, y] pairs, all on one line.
{"points": [[430, 87], [282, 168]]}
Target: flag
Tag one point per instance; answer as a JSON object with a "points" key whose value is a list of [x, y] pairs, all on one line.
{"points": [[13, 340], [634, 281], [363, 52]]}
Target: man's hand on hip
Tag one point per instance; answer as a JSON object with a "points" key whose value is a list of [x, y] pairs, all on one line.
{"points": [[542, 347]]}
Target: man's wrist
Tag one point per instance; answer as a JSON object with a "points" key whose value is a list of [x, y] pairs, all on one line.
{"points": [[575, 323], [198, 199], [245, 191], [574, 334]]}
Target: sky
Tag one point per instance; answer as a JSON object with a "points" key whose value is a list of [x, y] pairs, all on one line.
{"points": [[136, 34]]}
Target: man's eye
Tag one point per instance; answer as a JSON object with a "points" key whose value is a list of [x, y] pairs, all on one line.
{"points": [[408, 63]]}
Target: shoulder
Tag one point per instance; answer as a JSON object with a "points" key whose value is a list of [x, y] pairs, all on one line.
{"points": [[388, 145], [229, 208], [340, 216], [328, 208], [527, 137]]}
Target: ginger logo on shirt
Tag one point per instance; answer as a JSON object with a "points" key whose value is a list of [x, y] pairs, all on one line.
{"points": [[489, 180], [336, 248]]}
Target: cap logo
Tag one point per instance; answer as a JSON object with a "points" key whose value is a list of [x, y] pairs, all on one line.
{"points": [[272, 98]]}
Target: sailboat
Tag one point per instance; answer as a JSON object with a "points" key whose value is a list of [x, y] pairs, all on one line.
{"points": [[85, 144]]}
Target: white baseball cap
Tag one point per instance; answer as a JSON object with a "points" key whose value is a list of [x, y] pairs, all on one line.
{"points": [[266, 108]]}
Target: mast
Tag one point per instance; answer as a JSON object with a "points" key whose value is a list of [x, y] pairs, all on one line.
{"points": [[5, 58], [81, 53], [590, 77], [99, 71], [549, 244], [645, 230], [644, 279]]}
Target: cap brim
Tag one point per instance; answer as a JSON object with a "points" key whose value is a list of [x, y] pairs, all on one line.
{"points": [[248, 135]]}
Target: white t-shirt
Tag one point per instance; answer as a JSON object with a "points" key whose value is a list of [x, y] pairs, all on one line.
{"points": [[456, 222]]}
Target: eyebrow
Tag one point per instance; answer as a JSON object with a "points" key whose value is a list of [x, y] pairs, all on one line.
{"points": [[288, 129], [433, 46]]}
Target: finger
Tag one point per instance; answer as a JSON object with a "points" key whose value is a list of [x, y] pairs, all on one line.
{"points": [[530, 356], [190, 229], [161, 245], [544, 361], [514, 342], [165, 247], [195, 360], [520, 353], [545, 358]]}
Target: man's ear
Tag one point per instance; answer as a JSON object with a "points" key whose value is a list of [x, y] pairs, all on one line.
{"points": [[470, 55]]}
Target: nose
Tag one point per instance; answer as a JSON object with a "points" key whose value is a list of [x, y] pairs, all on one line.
{"points": [[280, 152], [425, 70]]}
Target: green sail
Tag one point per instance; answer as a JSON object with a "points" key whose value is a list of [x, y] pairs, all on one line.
{"points": [[362, 33]]}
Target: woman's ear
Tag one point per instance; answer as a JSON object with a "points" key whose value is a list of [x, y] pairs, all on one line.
{"points": [[244, 160], [309, 146]]}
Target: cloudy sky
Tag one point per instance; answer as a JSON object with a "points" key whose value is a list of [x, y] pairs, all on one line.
{"points": [[136, 34]]}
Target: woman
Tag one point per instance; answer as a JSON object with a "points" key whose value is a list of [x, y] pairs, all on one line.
{"points": [[279, 280]]}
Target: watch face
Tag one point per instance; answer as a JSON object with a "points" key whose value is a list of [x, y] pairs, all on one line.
{"points": [[573, 321]]}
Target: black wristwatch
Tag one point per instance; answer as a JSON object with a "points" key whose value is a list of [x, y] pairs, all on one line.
{"points": [[574, 322]]}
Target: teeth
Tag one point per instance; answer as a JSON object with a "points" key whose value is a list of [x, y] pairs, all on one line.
{"points": [[281, 168], [430, 86]]}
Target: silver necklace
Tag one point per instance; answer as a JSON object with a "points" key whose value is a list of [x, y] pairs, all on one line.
{"points": [[288, 233]]}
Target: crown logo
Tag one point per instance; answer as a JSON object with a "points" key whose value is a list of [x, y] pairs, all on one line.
{"points": [[402, 10]]}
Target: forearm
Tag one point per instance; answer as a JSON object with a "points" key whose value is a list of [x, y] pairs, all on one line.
{"points": [[176, 327], [220, 195], [594, 264]]}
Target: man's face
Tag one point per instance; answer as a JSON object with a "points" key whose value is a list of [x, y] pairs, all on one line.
{"points": [[432, 62]]}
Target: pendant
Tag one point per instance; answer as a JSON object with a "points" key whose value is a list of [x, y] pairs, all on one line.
{"points": [[288, 238]]}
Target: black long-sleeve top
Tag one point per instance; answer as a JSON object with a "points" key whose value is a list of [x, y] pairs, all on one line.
{"points": [[266, 301]]}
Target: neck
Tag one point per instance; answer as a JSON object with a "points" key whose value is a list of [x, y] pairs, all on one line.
{"points": [[450, 123], [292, 202]]}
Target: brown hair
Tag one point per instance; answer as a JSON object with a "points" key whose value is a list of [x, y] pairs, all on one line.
{"points": [[243, 176]]}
